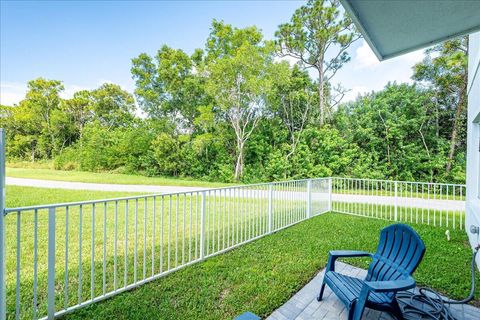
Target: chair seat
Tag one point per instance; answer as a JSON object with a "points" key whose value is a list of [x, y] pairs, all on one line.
{"points": [[348, 289]]}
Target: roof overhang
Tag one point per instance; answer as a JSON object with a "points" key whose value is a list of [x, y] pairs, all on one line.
{"points": [[395, 27]]}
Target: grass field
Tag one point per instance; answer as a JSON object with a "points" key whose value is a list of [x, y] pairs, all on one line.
{"points": [[446, 218], [262, 275], [113, 178], [18, 196], [405, 189]]}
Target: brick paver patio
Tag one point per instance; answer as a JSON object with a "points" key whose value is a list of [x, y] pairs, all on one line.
{"points": [[304, 305]]}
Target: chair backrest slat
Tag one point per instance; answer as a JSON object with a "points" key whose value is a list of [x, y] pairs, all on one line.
{"points": [[399, 252]]}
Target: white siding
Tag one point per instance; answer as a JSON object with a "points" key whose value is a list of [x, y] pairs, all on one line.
{"points": [[473, 145]]}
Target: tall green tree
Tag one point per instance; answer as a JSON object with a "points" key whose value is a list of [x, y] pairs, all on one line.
{"points": [[293, 99], [112, 106], [394, 130], [445, 72], [35, 117], [238, 64], [318, 36], [168, 85], [80, 110]]}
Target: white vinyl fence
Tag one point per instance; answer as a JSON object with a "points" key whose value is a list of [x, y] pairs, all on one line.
{"points": [[436, 204], [61, 257]]}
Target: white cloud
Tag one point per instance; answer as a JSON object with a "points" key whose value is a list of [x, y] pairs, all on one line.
{"points": [[354, 92], [413, 57], [103, 81], [364, 57], [12, 92], [127, 86], [364, 73], [71, 89], [289, 59]]}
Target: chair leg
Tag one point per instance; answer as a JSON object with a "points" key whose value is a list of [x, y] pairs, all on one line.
{"points": [[356, 312], [351, 311], [396, 310], [322, 289]]}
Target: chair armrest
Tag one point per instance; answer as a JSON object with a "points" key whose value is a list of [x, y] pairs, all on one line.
{"points": [[335, 254], [392, 285], [349, 253], [380, 286]]}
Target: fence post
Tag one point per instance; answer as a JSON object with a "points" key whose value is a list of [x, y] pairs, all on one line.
{"points": [[270, 209], [3, 289], [51, 264], [309, 198], [396, 201], [202, 226], [330, 187]]}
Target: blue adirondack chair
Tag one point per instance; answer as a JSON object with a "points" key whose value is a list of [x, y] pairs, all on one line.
{"points": [[398, 254]]}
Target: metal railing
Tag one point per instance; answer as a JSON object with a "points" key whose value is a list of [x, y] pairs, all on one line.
{"points": [[61, 257], [437, 204]]}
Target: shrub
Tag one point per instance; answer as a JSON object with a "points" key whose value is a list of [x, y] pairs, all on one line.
{"points": [[67, 160], [165, 150]]}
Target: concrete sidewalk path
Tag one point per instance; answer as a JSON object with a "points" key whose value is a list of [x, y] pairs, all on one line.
{"points": [[97, 186], [340, 199]]}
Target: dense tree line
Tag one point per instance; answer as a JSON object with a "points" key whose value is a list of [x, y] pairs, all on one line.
{"points": [[235, 110]]}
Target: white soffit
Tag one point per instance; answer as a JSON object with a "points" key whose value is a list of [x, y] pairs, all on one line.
{"points": [[395, 27]]}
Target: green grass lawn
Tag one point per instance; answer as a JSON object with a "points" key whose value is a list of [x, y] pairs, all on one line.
{"points": [[443, 218], [92, 177], [262, 275], [18, 196]]}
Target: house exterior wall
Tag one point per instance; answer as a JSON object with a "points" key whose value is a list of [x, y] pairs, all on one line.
{"points": [[473, 142]]}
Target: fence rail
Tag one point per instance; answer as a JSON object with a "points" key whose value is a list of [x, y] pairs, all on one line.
{"points": [[60, 257]]}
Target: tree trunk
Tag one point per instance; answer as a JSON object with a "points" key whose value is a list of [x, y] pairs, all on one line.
{"points": [[33, 152], [386, 137], [321, 99], [458, 114], [239, 162], [437, 119]]}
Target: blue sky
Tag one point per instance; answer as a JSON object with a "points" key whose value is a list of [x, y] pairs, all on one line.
{"points": [[88, 43]]}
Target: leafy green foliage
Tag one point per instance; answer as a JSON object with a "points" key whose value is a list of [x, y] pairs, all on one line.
{"points": [[238, 63], [394, 127], [168, 86], [165, 152], [39, 120], [446, 76], [317, 30]]}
